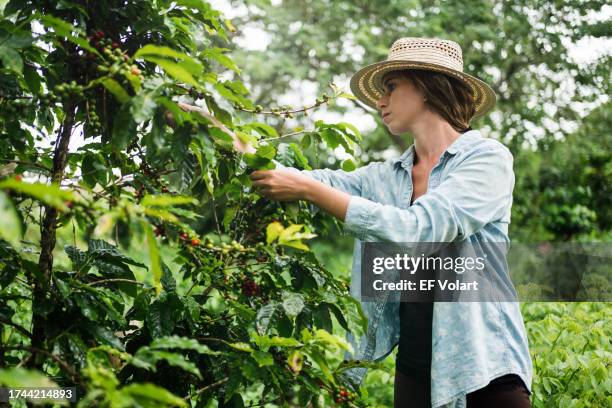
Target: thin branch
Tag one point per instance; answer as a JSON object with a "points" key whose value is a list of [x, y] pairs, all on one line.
{"points": [[19, 328], [285, 135], [100, 282], [208, 387]]}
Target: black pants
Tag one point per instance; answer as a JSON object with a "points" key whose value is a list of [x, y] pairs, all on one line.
{"points": [[507, 391]]}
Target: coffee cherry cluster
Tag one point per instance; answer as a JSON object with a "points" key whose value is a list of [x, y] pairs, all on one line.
{"points": [[62, 92], [119, 59], [94, 125], [139, 192], [12, 107], [250, 288], [193, 241], [342, 395], [160, 231]]}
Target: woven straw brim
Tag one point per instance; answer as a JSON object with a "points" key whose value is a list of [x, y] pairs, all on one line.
{"points": [[366, 84]]}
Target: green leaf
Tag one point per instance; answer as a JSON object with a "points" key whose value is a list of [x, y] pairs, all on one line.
{"points": [[147, 358], [20, 377], [266, 151], [320, 361], [263, 358], [65, 29], [124, 127], [48, 194], [144, 104], [273, 230], [264, 316], [242, 347], [11, 59], [175, 70], [163, 314], [166, 200], [183, 343], [217, 54], [347, 96], [295, 361], [116, 89], [93, 170], [146, 393], [331, 339], [154, 257], [263, 129], [348, 165], [10, 224], [265, 342], [339, 315], [293, 303], [102, 250], [149, 52]]}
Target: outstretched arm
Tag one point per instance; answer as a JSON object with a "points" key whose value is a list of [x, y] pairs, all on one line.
{"points": [[286, 185]]}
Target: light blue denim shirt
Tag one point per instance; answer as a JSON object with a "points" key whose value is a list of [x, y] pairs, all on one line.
{"points": [[469, 198]]}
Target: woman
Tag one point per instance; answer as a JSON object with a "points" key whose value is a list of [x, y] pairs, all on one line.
{"points": [[451, 185]]}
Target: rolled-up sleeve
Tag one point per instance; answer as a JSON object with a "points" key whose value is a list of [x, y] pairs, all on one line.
{"points": [[348, 181], [476, 192]]}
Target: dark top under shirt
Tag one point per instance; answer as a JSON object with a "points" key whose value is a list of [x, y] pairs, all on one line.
{"points": [[414, 347]]}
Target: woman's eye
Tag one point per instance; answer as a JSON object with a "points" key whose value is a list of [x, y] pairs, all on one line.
{"points": [[390, 87]]}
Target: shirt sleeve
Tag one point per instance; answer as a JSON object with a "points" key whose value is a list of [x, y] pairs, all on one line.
{"points": [[348, 181], [478, 191]]}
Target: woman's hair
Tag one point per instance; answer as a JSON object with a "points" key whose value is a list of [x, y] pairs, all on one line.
{"points": [[449, 97]]}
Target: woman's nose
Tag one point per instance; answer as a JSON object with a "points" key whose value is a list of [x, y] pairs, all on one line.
{"points": [[381, 103]]}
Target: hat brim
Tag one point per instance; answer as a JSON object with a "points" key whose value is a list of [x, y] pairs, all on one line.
{"points": [[366, 84]]}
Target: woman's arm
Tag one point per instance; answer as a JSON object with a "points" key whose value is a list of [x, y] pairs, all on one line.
{"points": [[477, 192], [286, 185]]}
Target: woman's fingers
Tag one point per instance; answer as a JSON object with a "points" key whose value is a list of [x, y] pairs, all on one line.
{"points": [[259, 174]]}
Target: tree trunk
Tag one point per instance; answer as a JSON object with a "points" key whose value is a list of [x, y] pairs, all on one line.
{"points": [[47, 239]]}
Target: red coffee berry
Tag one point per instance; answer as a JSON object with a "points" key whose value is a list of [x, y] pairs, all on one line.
{"points": [[184, 235], [18, 177], [195, 242]]}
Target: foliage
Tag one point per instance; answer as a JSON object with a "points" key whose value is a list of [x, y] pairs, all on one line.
{"points": [[570, 349], [228, 307]]}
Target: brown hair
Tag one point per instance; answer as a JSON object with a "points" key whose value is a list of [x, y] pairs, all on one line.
{"points": [[449, 97]]}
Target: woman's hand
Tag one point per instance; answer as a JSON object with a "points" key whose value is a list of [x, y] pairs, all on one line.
{"points": [[281, 185]]}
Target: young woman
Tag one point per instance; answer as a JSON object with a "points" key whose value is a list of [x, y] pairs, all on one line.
{"points": [[451, 185]]}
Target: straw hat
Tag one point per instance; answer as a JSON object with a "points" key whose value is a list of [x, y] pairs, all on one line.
{"points": [[420, 53]]}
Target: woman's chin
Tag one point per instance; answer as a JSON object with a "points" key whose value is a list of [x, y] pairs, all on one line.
{"points": [[394, 130]]}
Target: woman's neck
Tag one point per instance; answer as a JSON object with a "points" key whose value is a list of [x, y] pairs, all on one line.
{"points": [[431, 139]]}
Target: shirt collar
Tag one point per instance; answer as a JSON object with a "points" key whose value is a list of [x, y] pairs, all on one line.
{"points": [[458, 145]]}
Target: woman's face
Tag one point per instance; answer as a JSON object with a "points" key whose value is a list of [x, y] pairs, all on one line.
{"points": [[401, 105]]}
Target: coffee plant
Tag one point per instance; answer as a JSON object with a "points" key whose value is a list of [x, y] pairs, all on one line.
{"points": [[119, 129]]}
